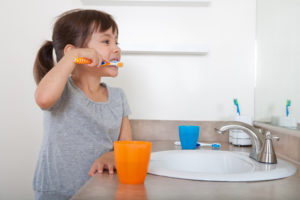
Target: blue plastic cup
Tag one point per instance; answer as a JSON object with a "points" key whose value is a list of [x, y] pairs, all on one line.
{"points": [[188, 136]]}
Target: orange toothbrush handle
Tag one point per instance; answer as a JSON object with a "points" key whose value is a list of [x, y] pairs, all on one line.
{"points": [[83, 61]]}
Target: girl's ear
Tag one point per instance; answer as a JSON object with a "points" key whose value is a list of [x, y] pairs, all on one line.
{"points": [[68, 47]]}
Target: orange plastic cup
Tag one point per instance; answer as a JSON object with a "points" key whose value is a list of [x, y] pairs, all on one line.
{"points": [[132, 160]]}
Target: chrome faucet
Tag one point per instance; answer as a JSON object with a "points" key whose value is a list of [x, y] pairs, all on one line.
{"points": [[262, 146]]}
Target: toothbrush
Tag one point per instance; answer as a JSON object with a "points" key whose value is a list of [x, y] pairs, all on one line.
{"points": [[214, 145], [288, 104], [81, 60], [235, 101]]}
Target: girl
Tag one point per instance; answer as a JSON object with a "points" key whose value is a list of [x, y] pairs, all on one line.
{"points": [[82, 117]]}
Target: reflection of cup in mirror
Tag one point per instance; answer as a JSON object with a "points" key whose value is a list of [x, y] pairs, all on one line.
{"points": [[188, 136], [132, 160], [131, 192], [283, 121]]}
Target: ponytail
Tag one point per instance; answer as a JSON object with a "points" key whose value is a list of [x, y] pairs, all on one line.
{"points": [[43, 62]]}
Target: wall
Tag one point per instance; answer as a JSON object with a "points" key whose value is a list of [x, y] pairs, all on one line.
{"points": [[190, 87], [278, 61], [157, 87]]}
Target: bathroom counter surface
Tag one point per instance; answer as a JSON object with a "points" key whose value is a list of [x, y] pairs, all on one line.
{"points": [[105, 186]]}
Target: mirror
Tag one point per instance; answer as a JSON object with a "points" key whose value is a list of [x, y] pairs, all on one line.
{"points": [[278, 63]]}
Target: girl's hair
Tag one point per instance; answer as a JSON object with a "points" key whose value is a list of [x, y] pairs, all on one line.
{"points": [[72, 27]]}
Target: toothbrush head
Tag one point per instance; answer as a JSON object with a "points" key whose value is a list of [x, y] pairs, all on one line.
{"points": [[116, 63], [216, 146], [288, 103], [235, 101]]}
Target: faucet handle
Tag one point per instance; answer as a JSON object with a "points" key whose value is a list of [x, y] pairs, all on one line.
{"points": [[267, 154], [269, 136]]}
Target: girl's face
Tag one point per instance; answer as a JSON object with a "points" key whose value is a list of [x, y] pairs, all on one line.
{"points": [[106, 44]]}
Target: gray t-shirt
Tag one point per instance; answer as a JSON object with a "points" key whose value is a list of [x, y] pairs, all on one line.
{"points": [[77, 131]]}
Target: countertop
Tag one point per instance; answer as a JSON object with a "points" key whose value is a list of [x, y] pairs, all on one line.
{"points": [[105, 186]]}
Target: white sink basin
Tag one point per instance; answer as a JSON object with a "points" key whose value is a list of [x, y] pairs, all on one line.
{"points": [[215, 165]]}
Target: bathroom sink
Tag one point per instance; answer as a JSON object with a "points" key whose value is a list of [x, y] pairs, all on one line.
{"points": [[216, 165]]}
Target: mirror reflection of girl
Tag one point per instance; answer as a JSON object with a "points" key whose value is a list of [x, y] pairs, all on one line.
{"points": [[82, 116]]}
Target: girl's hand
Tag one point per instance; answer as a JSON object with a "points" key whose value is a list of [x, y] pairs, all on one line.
{"points": [[106, 161], [93, 55], [88, 53]]}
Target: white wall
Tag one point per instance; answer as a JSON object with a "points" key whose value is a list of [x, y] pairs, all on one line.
{"points": [[190, 87], [278, 65], [157, 87]]}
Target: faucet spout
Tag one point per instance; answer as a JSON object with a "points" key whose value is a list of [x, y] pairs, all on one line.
{"points": [[256, 136]]}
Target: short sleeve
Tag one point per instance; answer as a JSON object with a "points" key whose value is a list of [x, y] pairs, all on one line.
{"points": [[126, 108]]}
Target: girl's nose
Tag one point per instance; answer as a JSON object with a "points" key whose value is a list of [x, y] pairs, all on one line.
{"points": [[116, 49]]}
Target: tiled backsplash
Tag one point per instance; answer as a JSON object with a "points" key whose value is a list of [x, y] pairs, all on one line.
{"points": [[288, 146], [168, 130]]}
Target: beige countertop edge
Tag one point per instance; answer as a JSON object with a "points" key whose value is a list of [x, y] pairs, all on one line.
{"points": [[105, 186]]}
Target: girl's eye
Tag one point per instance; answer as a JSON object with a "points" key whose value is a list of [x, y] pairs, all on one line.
{"points": [[108, 42]]}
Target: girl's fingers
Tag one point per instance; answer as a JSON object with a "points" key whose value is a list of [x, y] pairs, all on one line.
{"points": [[96, 58], [100, 168], [93, 170], [92, 55], [95, 62], [110, 169]]}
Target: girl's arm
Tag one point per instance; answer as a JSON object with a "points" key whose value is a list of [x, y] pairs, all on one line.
{"points": [[125, 132], [53, 83]]}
